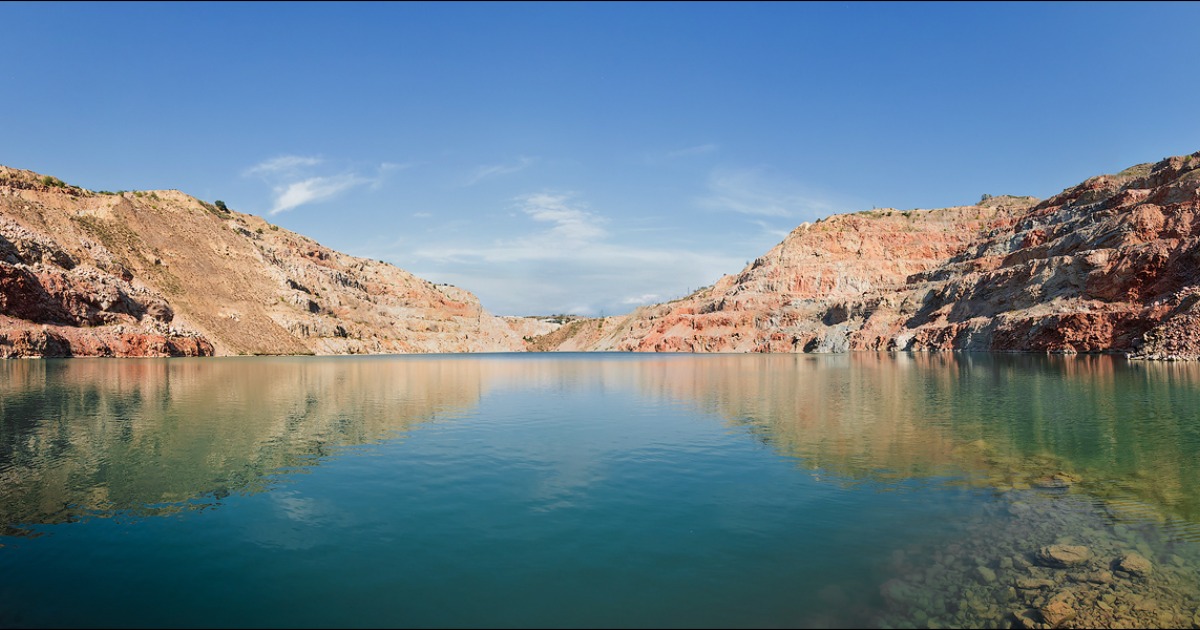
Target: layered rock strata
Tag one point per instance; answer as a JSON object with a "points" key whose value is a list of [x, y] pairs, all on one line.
{"points": [[160, 273], [1110, 265]]}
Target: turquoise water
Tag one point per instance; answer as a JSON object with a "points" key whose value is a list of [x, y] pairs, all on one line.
{"points": [[584, 490]]}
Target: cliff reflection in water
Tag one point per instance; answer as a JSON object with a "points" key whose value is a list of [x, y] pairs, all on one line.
{"points": [[80, 437], [1126, 432], [83, 437]]}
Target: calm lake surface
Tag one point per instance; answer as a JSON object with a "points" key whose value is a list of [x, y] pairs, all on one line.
{"points": [[593, 490]]}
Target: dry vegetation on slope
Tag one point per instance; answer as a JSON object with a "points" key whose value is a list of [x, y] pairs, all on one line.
{"points": [[1110, 265], [160, 273]]}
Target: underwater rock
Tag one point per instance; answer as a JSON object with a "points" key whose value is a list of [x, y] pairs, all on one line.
{"points": [[1063, 556], [985, 575], [1134, 564], [1059, 608]]}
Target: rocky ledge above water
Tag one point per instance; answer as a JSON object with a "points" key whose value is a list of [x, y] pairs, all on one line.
{"points": [[1041, 560], [160, 273], [1111, 265]]}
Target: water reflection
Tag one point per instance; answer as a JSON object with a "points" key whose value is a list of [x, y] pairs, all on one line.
{"points": [[81, 436], [1125, 431], [1083, 453], [1075, 451], [87, 437]]}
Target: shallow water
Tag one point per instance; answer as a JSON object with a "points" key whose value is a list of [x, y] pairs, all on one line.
{"points": [[596, 490]]}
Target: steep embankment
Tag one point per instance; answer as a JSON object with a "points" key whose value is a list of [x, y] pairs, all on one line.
{"points": [[163, 274], [1110, 265], [784, 301]]}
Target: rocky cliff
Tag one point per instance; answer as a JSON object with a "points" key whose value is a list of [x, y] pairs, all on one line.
{"points": [[1110, 265], [159, 273]]}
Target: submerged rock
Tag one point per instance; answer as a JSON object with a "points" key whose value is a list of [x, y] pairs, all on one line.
{"points": [[1063, 556], [985, 575], [1094, 577], [1033, 584], [1134, 564], [1028, 618], [1058, 609], [1057, 481]]}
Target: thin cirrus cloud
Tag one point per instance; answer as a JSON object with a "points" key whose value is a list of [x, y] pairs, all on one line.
{"points": [[638, 300], [701, 149], [663, 158], [571, 229], [772, 230], [489, 171], [754, 192], [571, 224], [282, 165], [294, 181], [570, 259], [313, 189]]}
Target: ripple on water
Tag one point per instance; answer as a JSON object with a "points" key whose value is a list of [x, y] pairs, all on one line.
{"points": [[1004, 570], [727, 490]]}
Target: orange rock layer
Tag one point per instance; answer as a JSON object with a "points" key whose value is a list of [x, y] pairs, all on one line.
{"points": [[163, 274], [1110, 265]]}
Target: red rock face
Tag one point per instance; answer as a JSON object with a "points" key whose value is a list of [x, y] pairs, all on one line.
{"points": [[1110, 265], [824, 276], [160, 273], [65, 341], [22, 296], [54, 313]]}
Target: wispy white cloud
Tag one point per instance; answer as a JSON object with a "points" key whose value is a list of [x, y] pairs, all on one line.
{"points": [[572, 229], [663, 157], [773, 230], [700, 149], [639, 300], [387, 167], [504, 168], [570, 259], [294, 180], [282, 165], [755, 192], [312, 189], [571, 225]]}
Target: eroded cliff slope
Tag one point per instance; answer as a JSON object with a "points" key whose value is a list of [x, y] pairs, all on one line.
{"points": [[1110, 265], [160, 273]]}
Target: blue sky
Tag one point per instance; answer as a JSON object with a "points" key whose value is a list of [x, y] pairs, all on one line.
{"points": [[587, 158]]}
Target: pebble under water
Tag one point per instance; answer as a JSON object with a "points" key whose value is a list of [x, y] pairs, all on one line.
{"points": [[588, 490]]}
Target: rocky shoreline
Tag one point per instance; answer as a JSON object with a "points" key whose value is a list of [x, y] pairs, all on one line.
{"points": [[1111, 265], [1049, 558], [160, 273]]}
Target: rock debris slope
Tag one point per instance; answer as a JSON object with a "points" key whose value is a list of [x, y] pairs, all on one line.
{"points": [[164, 274], [1110, 265]]}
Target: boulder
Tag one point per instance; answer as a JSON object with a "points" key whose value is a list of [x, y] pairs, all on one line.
{"points": [[1134, 564], [1063, 556]]}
